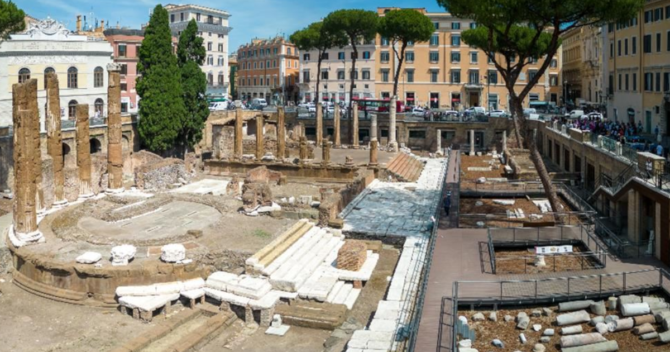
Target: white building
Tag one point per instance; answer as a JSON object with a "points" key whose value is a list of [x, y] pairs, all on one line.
{"points": [[47, 46], [336, 74], [213, 28]]}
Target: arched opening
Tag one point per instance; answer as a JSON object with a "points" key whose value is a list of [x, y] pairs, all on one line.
{"points": [[96, 146], [98, 77], [99, 107], [68, 158], [71, 109], [24, 75], [125, 144], [72, 74], [46, 72]]}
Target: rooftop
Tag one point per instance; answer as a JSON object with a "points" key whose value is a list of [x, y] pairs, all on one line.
{"points": [[173, 7]]}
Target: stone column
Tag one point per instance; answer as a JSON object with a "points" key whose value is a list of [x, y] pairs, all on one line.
{"points": [[83, 151], [260, 148], [319, 124], [303, 149], [27, 163], [354, 131], [504, 141], [373, 127], [438, 148], [336, 127], [114, 146], [281, 134], [393, 143], [54, 139], [373, 152], [325, 152], [472, 142], [237, 147]]}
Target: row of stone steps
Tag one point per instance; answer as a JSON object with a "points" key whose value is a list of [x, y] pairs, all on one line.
{"points": [[405, 167]]}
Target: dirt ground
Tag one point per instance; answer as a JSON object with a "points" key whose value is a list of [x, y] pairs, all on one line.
{"points": [[5, 206], [297, 189], [494, 215], [522, 261], [480, 161], [488, 330], [36, 324]]}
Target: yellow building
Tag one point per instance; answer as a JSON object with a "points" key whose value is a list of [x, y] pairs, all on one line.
{"points": [[582, 60], [636, 68], [446, 73]]}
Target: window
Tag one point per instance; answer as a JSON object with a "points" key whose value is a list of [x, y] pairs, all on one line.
{"points": [[633, 45], [366, 55], [181, 16], [666, 81], [385, 41], [620, 85], [366, 74], [124, 87], [473, 25], [99, 107], [647, 44], [626, 86], [72, 77], [658, 14], [410, 76], [625, 46], [172, 18], [436, 25], [493, 77], [385, 75], [553, 80], [433, 76], [554, 63], [648, 81], [305, 57], [533, 97], [210, 79], [647, 16], [611, 48], [220, 78], [46, 72], [220, 61], [473, 77], [305, 76], [658, 81], [409, 56], [71, 109], [610, 86], [410, 43], [288, 51], [619, 47], [340, 55], [384, 56], [456, 76], [455, 40], [220, 48], [324, 75], [658, 42], [455, 56], [531, 74], [325, 56], [667, 41], [634, 82], [435, 39], [124, 69], [353, 74], [24, 75], [123, 51], [340, 75], [197, 17], [434, 56], [98, 78], [455, 25], [473, 57]]}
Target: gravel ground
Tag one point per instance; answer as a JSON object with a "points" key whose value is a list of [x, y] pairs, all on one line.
{"points": [[480, 161], [467, 206], [522, 261], [488, 330]]}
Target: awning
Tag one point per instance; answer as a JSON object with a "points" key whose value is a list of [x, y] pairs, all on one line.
{"points": [[409, 99], [455, 100]]}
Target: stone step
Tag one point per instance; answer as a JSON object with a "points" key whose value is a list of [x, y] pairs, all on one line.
{"points": [[274, 249], [300, 252], [351, 298], [333, 292], [290, 252], [342, 295]]}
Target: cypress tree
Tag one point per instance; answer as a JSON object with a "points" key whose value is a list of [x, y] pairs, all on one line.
{"points": [[162, 105], [190, 55]]}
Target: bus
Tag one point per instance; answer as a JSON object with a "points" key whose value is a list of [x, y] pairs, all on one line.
{"points": [[378, 105], [543, 107]]}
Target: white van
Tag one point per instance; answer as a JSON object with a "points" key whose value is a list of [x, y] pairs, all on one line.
{"points": [[260, 102], [218, 106]]}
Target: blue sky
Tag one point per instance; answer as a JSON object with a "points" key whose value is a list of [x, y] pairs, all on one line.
{"points": [[249, 18]]}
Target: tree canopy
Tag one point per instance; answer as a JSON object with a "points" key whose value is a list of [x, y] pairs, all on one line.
{"points": [[190, 55], [12, 19], [404, 26], [162, 106]]}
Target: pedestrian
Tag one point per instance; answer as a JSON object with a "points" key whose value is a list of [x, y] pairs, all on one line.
{"points": [[447, 203]]}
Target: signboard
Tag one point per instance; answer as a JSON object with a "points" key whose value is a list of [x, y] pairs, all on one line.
{"points": [[553, 250]]}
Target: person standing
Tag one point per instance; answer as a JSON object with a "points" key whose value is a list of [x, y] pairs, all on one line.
{"points": [[447, 203]]}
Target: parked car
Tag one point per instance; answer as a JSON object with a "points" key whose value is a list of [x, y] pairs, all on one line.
{"points": [[499, 113], [476, 110], [594, 115], [260, 102], [575, 114], [418, 111], [218, 106]]}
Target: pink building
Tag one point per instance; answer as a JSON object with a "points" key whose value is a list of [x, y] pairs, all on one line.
{"points": [[126, 43]]}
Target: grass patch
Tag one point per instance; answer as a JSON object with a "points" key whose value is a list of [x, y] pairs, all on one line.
{"points": [[261, 234]]}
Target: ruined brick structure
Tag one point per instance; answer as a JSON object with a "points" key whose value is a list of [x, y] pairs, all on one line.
{"points": [[83, 150], [260, 151], [239, 122], [114, 146], [352, 255], [54, 139], [336, 128]]}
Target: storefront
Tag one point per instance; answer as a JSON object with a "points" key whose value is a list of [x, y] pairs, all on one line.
{"points": [[434, 100], [455, 100], [409, 99]]}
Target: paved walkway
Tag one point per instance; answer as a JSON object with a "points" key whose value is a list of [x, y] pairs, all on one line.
{"points": [[458, 256]]}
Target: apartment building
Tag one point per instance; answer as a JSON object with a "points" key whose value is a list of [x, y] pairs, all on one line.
{"points": [[636, 67], [269, 69], [336, 73], [126, 44], [446, 73], [582, 61], [213, 28]]}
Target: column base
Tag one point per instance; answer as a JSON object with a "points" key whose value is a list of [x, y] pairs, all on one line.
{"points": [[85, 196], [393, 146], [60, 204], [115, 190], [24, 239]]}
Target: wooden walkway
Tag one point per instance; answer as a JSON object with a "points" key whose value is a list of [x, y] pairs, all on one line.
{"points": [[458, 257]]}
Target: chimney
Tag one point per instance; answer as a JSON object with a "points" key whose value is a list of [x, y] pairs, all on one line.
{"points": [[78, 23]]}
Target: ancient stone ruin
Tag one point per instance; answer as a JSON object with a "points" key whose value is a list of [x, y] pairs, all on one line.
{"points": [[256, 190], [83, 151], [114, 147]]}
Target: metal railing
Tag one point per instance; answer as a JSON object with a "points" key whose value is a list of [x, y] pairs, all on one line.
{"points": [[546, 236], [551, 290], [502, 220]]}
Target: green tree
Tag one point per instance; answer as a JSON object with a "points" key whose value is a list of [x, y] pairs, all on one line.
{"points": [[359, 26], [162, 106], [316, 37], [190, 55], [521, 31], [403, 27], [12, 19]]}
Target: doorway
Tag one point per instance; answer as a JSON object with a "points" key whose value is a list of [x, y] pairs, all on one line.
{"points": [[434, 100], [474, 99]]}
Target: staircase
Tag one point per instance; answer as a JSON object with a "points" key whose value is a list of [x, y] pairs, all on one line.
{"points": [[405, 168], [613, 185]]}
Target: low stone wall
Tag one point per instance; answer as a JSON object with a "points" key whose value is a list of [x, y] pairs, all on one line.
{"points": [[334, 203], [333, 173], [161, 175]]}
